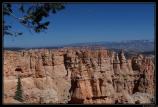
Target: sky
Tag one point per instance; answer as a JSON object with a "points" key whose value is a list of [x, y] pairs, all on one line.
{"points": [[89, 22]]}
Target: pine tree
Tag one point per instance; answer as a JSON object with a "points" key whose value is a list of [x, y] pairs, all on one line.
{"points": [[31, 16], [19, 92]]}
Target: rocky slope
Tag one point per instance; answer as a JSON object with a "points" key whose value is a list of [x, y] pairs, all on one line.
{"points": [[70, 75]]}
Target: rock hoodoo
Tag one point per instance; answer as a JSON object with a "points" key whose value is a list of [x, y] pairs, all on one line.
{"points": [[84, 76]]}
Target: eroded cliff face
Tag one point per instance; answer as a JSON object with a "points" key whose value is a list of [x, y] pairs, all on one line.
{"points": [[78, 76]]}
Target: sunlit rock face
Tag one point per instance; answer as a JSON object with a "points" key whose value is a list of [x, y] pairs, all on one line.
{"points": [[78, 76]]}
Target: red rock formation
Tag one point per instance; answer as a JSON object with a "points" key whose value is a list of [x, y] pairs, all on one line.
{"points": [[72, 75], [145, 78]]}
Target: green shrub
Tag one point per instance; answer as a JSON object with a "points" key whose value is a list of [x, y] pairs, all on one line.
{"points": [[19, 93]]}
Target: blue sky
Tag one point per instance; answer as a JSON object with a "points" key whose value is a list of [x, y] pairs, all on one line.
{"points": [[89, 22]]}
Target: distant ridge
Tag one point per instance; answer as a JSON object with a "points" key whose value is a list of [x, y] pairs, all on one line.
{"points": [[19, 48], [129, 45]]}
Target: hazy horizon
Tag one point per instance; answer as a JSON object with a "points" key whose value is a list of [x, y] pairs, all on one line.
{"points": [[75, 43]]}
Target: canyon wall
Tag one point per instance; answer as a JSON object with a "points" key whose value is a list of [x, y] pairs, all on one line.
{"points": [[78, 76]]}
